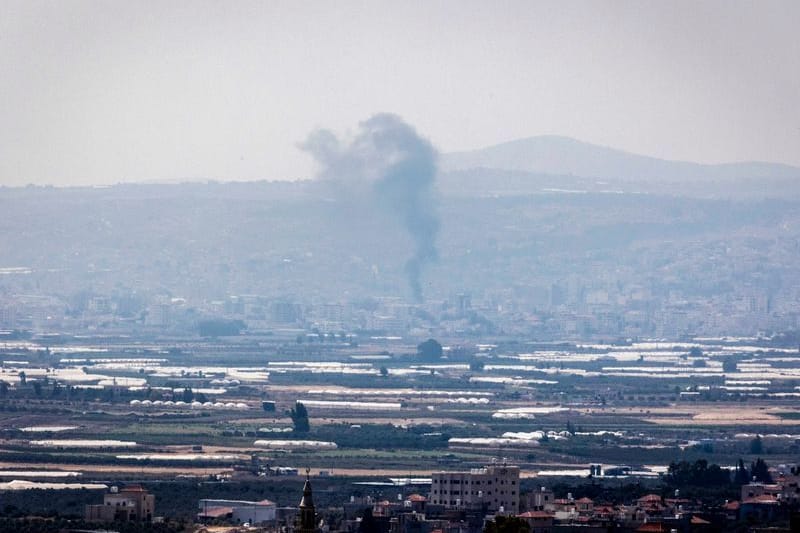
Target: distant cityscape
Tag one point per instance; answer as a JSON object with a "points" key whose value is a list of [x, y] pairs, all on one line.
{"points": [[536, 264]]}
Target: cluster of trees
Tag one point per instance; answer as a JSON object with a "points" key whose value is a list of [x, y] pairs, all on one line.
{"points": [[40, 525], [697, 474], [476, 365], [759, 471], [220, 327], [702, 474], [506, 524], [50, 389], [430, 349], [188, 396], [299, 416]]}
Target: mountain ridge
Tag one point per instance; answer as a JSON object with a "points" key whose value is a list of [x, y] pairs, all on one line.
{"points": [[560, 155]]}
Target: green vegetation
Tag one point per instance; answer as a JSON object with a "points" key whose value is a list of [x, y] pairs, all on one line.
{"points": [[220, 327], [59, 525], [697, 474], [507, 524], [430, 349], [757, 446], [760, 471], [299, 416]]}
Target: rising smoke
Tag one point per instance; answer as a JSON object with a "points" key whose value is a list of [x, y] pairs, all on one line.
{"points": [[396, 167]]}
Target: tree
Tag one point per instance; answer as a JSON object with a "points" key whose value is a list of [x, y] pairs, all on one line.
{"points": [[756, 446], [742, 476], [476, 366], [430, 349], [299, 416], [697, 474], [220, 327], [23, 378], [37, 388], [3, 389], [384, 371], [188, 395], [696, 352], [729, 365], [507, 524], [368, 523], [760, 471]]}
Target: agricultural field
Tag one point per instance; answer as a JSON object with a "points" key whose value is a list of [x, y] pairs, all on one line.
{"points": [[114, 411]]}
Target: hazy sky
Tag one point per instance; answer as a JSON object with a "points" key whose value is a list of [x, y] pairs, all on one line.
{"points": [[109, 91]]}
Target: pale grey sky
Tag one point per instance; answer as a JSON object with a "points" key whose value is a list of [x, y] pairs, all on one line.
{"points": [[109, 91]]}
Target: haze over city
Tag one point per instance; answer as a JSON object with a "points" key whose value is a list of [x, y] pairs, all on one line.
{"points": [[419, 267]]}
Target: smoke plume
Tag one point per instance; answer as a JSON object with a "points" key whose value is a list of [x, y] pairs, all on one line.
{"points": [[396, 167]]}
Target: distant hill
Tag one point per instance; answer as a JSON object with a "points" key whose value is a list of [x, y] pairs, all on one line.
{"points": [[554, 155]]}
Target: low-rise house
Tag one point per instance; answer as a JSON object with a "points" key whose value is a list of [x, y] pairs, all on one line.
{"points": [[584, 506], [129, 504], [538, 521], [539, 500], [759, 509]]}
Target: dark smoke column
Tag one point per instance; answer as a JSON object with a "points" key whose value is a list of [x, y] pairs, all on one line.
{"points": [[398, 167]]}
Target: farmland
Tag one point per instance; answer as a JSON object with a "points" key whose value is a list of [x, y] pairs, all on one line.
{"points": [[116, 411]]}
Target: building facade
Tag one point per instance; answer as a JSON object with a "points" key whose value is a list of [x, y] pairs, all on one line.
{"points": [[495, 487], [130, 504]]}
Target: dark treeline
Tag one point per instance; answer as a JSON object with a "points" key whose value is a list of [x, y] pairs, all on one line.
{"points": [[60, 525]]}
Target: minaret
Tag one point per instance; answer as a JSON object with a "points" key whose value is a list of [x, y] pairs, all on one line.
{"points": [[307, 522]]}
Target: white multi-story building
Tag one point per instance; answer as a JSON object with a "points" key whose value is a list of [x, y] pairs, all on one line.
{"points": [[495, 486]]}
